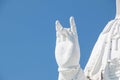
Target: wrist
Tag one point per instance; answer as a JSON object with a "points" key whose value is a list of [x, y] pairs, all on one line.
{"points": [[72, 73], [69, 73], [77, 67]]}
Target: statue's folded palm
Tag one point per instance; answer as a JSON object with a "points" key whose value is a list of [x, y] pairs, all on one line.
{"points": [[67, 51]]}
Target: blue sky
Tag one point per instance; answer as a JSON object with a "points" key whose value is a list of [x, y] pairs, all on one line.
{"points": [[27, 34]]}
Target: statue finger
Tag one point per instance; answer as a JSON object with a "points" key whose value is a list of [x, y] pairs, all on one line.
{"points": [[58, 26], [73, 25]]}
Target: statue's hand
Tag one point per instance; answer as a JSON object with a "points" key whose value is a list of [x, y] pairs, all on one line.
{"points": [[67, 51]]}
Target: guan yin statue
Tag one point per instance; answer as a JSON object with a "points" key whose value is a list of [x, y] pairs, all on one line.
{"points": [[104, 62]]}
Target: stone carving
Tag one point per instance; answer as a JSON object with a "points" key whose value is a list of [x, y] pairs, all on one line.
{"points": [[104, 62]]}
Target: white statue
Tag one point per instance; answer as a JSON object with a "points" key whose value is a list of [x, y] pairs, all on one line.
{"points": [[104, 62], [67, 52]]}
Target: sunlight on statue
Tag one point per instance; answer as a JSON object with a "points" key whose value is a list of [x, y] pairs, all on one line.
{"points": [[67, 47], [104, 61], [67, 51]]}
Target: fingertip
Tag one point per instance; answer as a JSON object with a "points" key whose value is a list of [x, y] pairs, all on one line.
{"points": [[72, 21], [71, 18], [57, 22], [72, 24], [58, 25]]}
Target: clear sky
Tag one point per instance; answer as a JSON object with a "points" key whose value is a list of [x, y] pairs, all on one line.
{"points": [[27, 34]]}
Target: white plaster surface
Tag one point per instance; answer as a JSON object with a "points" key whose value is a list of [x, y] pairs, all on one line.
{"points": [[104, 62]]}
